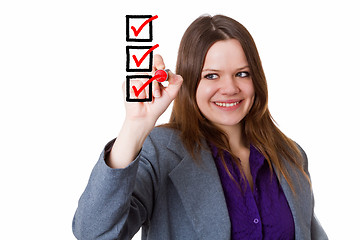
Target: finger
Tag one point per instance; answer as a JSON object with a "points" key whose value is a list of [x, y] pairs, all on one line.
{"points": [[158, 62], [137, 84], [175, 82], [174, 79], [123, 87], [156, 89], [127, 92]]}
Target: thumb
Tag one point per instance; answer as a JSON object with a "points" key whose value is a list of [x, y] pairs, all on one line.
{"points": [[175, 82]]}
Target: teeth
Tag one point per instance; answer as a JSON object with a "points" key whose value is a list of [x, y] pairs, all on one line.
{"points": [[226, 104]]}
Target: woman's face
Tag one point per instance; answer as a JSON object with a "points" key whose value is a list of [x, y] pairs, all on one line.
{"points": [[225, 93]]}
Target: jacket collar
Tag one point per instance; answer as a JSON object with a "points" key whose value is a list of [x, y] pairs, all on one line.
{"points": [[201, 193]]}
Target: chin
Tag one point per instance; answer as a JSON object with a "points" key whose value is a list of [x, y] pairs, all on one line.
{"points": [[227, 123]]}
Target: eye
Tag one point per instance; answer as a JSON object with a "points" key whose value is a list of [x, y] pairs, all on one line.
{"points": [[211, 76], [243, 74]]}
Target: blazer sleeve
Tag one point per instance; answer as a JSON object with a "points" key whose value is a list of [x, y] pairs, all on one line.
{"points": [[116, 202], [317, 231]]}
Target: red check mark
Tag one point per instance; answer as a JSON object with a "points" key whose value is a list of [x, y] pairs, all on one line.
{"points": [[137, 92], [136, 32], [138, 62]]}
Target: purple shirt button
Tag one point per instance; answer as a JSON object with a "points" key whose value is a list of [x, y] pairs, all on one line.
{"points": [[256, 221]]}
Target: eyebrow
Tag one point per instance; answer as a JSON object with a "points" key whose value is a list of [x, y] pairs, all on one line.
{"points": [[215, 70]]}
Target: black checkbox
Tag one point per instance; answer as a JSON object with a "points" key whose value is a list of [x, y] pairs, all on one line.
{"points": [[128, 85], [138, 52], [146, 34]]}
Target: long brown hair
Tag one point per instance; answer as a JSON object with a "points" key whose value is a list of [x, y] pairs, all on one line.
{"points": [[258, 127]]}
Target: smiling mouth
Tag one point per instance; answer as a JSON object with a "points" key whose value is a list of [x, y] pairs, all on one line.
{"points": [[223, 104]]}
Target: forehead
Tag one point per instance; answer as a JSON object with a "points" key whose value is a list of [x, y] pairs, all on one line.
{"points": [[225, 54]]}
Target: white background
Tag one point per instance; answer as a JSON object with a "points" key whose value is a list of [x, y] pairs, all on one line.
{"points": [[62, 64]]}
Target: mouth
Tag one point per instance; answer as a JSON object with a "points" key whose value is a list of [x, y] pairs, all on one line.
{"points": [[227, 104]]}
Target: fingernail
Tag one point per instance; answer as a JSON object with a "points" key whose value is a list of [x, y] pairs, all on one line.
{"points": [[157, 93]]}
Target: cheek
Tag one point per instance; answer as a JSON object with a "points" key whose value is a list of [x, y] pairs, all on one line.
{"points": [[249, 89], [204, 92], [251, 93]]}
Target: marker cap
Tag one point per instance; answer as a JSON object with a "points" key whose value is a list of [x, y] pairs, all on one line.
{"points": [[161, 75]]}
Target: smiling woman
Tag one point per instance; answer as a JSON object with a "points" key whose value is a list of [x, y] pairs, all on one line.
{"points": [[220, 169]]}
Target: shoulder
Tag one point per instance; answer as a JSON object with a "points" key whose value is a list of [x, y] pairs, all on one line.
{"points": [[163, 137], [304, 158], [164, 134], [163, 142]]}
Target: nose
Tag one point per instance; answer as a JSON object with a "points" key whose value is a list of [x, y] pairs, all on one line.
{"points": [[229, 86]]}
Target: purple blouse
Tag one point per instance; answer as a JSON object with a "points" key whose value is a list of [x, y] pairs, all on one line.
{"points": [[260, 214]]}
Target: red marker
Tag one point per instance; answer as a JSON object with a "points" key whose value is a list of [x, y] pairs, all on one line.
{"points": [[161, 75]]}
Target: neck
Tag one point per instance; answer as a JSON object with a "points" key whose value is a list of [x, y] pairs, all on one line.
{"points": [[235, 136]]}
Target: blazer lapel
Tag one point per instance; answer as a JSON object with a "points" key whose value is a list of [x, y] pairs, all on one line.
{"points": [[299, 203], [201, 193]]}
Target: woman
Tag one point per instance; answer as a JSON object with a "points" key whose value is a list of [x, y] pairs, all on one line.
{"points": [[220, 169]]}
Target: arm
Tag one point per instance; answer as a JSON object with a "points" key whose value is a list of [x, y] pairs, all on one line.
{"points": [[317, 232], [110, 208], [141, 118], [97, 216]]}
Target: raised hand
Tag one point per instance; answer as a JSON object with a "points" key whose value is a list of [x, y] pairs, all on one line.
{"points": [[149, 112], [141, 116]]}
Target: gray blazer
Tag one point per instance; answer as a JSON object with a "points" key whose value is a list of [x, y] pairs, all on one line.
{"points": [[171, 197]]}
